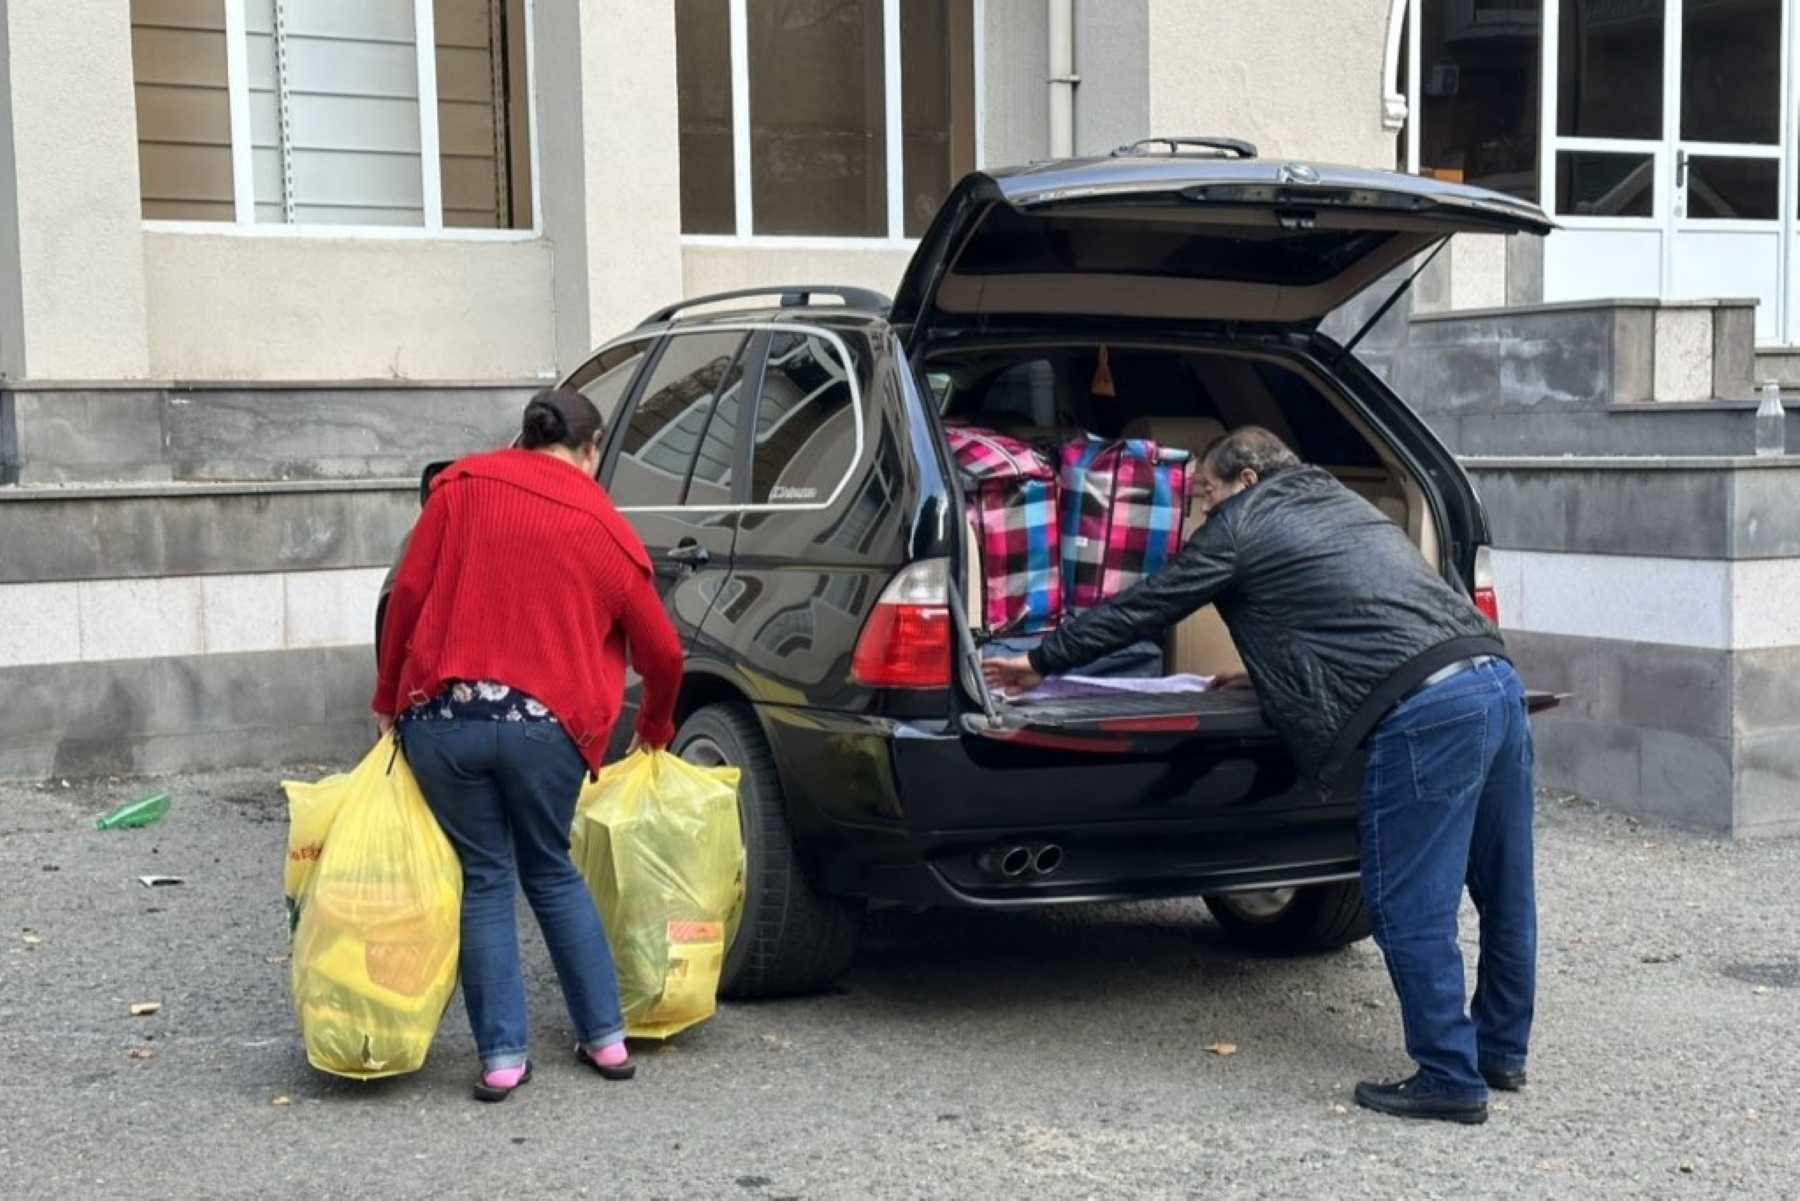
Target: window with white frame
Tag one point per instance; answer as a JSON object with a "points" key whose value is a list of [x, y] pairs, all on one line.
{"points": [[411, 113], [1473, 81], [1477, 82], [822, 118]]}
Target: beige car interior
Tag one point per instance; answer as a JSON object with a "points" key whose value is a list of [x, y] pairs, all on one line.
{"points": [[1201, 645]]}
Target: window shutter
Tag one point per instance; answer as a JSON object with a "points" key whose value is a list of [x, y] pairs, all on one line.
{"points": [[485, 157], [335, 112], [183, 109]]}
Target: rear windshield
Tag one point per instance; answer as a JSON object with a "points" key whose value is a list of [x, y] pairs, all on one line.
{"points": [[1009, 242], [1054, 389]]}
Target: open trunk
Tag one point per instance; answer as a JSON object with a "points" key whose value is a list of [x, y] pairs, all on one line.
{"points": [[1234, 260], [1178, 396]]}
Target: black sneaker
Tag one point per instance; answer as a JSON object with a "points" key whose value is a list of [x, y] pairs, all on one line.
{"points": [[1415, 1098], [1506, 1080]]}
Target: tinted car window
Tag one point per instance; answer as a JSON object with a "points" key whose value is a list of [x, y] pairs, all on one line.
{"points": [[604, 378], [1026, 391], [1322, 434], [805, 422], [716, 454], [1014, 243], [670, 420]]}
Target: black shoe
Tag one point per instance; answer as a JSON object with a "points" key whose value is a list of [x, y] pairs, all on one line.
{"points": [[1505, 1080], [1415, 1099]]}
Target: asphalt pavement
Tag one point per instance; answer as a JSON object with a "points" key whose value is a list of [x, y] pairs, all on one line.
{"points": [[1106, 1051]]}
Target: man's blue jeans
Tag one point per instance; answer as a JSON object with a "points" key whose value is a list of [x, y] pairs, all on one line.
{"points": [[1446, 801], [504, 793]]}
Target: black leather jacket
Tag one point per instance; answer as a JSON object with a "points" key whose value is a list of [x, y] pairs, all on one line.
{"points": [[1332, 608]]}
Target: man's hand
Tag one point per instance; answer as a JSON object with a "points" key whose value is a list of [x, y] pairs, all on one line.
{"points": [[637, 744], [1010, 675], [384, 724], [1231, 679]]}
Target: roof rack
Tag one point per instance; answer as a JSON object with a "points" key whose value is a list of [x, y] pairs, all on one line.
{"points": [[792, 297], [1235, 147]]}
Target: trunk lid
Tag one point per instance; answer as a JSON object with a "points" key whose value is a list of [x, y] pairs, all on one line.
{"points": [[1179, 238], [1143, 725], [1126, 724]]}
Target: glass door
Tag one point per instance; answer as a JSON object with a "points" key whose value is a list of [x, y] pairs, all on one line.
{"points": [[1606, 165], [1725, 84], [1665, 164]]}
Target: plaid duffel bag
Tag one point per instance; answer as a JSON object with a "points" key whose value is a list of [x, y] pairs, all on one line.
{"points": [[1122, 506], [1012, 492]]}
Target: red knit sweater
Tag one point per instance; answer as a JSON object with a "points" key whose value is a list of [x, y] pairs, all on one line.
{"points": [[521, 571]]}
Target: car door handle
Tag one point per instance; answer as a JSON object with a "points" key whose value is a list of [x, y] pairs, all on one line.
{"points": [[690, 554]]}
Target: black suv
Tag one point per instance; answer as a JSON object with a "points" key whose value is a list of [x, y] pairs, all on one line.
{"points": [[786, 465]]}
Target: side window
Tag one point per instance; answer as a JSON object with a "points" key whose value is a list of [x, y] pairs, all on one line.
{"points": [[805, 422], [1026, 391], [670, 423], [714, 460], [604, 378]]}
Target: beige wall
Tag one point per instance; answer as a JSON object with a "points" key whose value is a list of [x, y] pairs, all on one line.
{"points": [[229, 307], [725, 268], [71, 259], [1300, 79], [609, 160], [631, 144]]}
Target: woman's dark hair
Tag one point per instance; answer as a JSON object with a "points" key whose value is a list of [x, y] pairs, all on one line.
{"points": [[559, 417]]}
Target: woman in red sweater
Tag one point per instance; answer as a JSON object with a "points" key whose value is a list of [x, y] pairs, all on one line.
{"points": [[503, 662]]}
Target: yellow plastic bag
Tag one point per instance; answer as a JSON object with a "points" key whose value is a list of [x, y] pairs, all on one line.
{"points": [[378, 919], [311, 810], [658, 842]]}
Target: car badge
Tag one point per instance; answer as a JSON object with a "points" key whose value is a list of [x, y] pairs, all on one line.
{"points": [[1297, 173]]}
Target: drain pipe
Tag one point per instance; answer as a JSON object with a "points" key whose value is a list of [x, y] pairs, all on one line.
{"points": [[1062, 77]]}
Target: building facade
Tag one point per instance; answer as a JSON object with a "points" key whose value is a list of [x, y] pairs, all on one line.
{"points": [[271, 256]]}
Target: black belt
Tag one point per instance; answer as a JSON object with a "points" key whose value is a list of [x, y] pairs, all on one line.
{"points": [[1446, 673]]}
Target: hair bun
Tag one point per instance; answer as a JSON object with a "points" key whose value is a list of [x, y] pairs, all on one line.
{"points": [[559, 417], [544, 424]]}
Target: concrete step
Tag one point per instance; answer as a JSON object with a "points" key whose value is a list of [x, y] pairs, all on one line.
{"points": [[1779, 363], [1600, 377]]}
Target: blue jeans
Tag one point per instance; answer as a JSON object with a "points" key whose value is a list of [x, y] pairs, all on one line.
{"points": [[1447, 801], [504, 793]]}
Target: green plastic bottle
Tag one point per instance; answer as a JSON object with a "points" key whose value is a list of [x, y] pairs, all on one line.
{"points": [[145, 812]]}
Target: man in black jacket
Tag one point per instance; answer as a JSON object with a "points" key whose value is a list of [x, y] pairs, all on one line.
{"points": [[1353, 641]]}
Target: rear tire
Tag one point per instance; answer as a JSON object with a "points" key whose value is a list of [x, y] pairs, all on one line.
{"points": [[792, 938], [1293, 921]]}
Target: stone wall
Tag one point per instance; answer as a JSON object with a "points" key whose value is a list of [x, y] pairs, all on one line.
{"points": [[169, 627], [190, 574], [1658, 595], [63, 434]]}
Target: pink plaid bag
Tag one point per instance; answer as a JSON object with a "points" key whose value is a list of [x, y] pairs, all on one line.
{"points": [[1122, 506], [1012, 494]]}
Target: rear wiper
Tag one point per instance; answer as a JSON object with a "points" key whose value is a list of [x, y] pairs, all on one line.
{"points": [[1387, 304]]}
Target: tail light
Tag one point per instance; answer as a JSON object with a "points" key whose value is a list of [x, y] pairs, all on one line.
{"points": [[906, 641], [1486, 599]]}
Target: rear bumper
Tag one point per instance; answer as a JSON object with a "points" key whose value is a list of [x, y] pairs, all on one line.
{"points": [[914, 812]]}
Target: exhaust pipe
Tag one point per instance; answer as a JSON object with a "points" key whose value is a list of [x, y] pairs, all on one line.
{"points": [[1046, 859], [1006, 862]]}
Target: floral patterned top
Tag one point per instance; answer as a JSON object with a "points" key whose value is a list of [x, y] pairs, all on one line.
{"points": [[483, 700]]}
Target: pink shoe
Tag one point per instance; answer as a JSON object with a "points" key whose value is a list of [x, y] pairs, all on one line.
{"points": [[501, 1083], [612, 1061]]}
